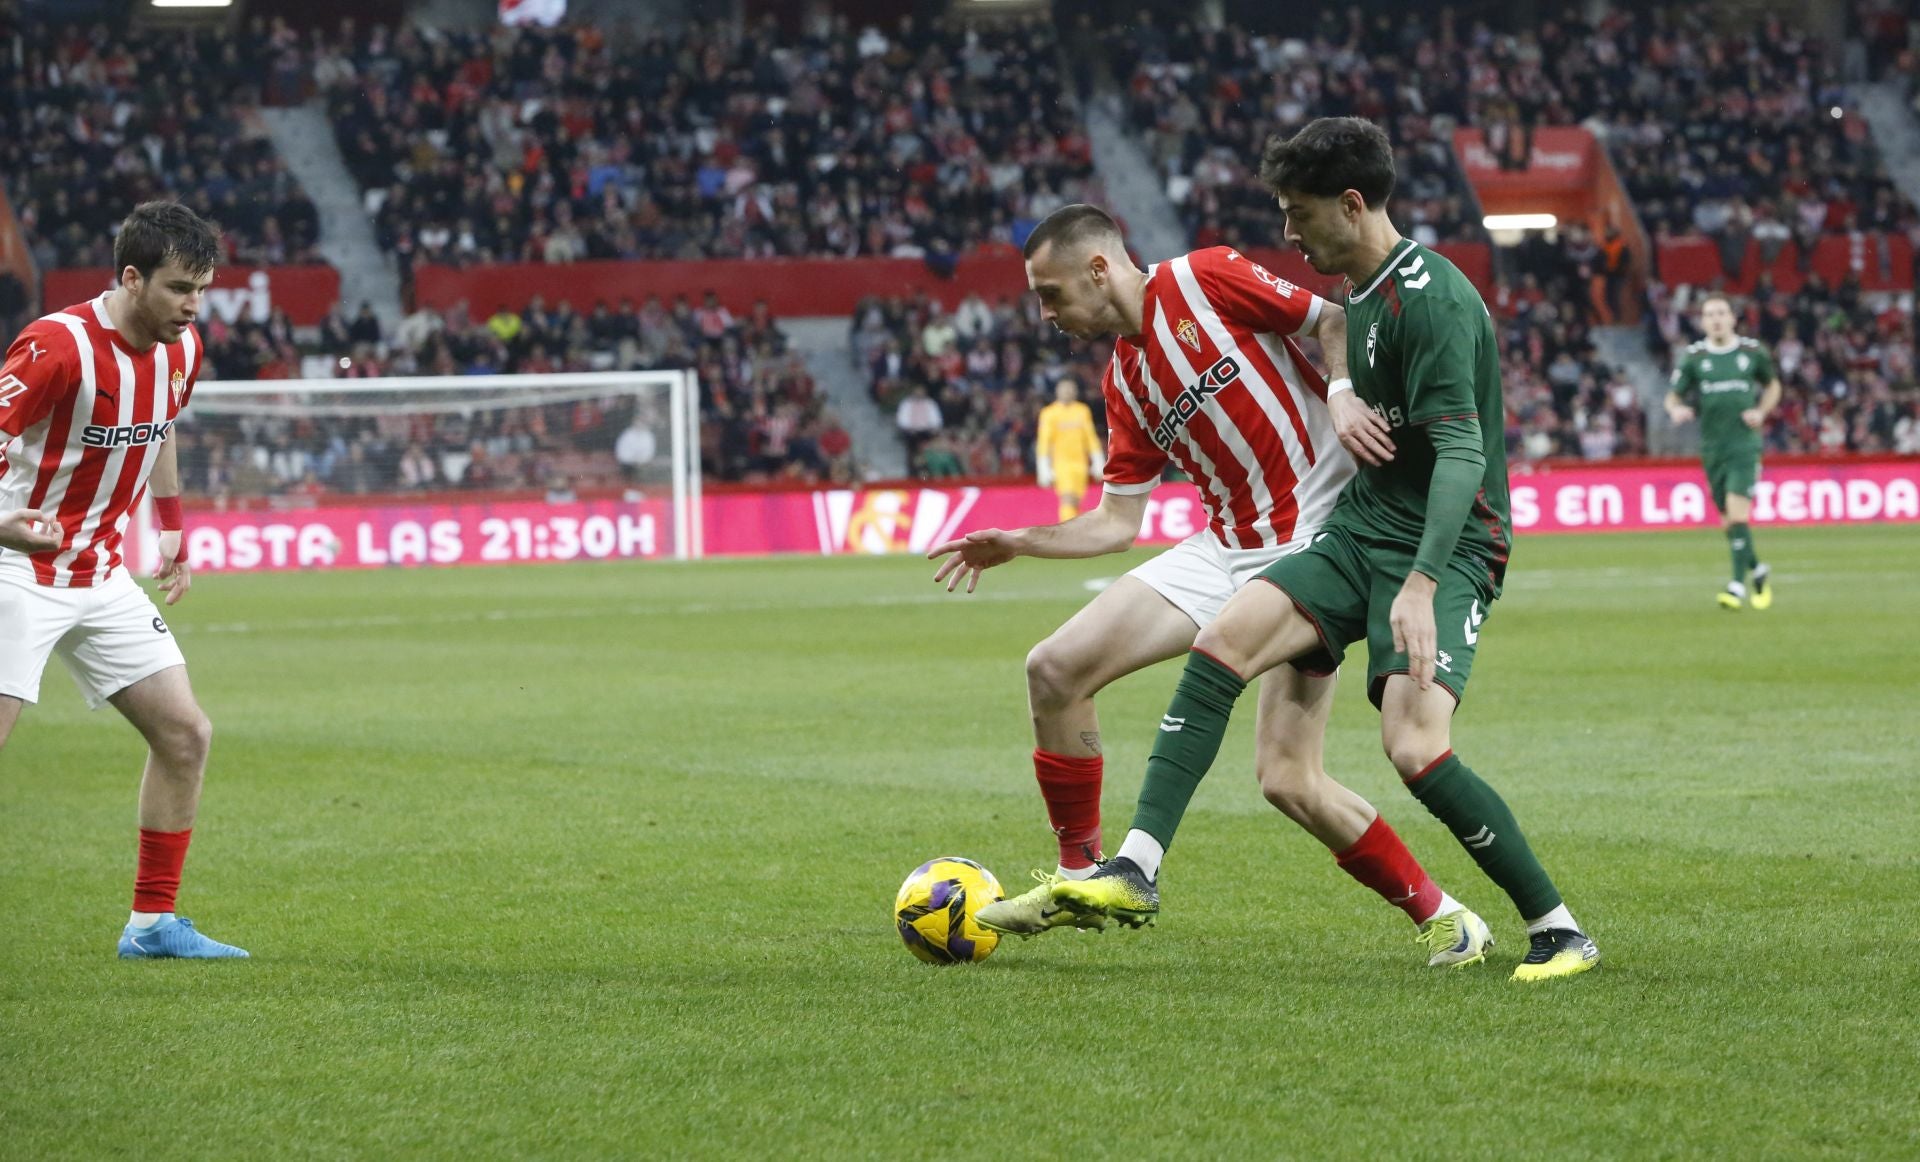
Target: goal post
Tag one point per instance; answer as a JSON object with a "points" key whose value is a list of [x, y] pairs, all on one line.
{"points": [[551, 466]]}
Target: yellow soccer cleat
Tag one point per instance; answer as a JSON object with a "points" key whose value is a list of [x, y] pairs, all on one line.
{"points": [[1555, 953], [1455, 940], [1733, 597], [1118, 891], [1762, 592], [1034, 911]]}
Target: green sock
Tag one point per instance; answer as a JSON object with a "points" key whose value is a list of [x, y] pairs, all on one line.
{"points": [[1479, 819], [1740, 542], [1753, 554], [1185, 747]]}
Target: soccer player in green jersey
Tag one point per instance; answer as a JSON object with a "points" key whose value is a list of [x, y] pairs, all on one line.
{"points": [[1410, 560], [1730, 383]]}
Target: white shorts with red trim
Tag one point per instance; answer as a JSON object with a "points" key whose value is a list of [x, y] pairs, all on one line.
{"points": [[110, 635], [1199, 574]]}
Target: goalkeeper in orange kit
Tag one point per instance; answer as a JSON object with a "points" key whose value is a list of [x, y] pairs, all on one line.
{"points": [[1067, 451]]}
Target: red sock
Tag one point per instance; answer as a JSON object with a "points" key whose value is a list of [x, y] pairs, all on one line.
{"points": [[1379, 860], [158, 879], [1071, 788]]}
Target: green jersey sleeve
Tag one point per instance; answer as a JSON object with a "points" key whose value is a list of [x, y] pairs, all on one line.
{"points": [[1764, 371], [1437, 350], [1459, 468]]}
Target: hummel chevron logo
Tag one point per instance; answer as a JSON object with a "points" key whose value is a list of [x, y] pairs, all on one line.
{"points": [[1172, 725], [1416, 264], [10, 389], [1480, 840]]}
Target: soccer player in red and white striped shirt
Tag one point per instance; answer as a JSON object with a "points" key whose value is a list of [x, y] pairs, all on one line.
{"points": [[88, 400], [1205, 374]]}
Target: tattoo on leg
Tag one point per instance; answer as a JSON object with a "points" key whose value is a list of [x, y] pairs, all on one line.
{"points": [[1091, 740]]}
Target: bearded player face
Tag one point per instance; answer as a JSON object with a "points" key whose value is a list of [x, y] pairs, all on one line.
{"points": [[166, 302]]}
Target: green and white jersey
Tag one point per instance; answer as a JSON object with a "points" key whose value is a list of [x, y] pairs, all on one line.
{"points": [[1719, 383], [1421, 350]]}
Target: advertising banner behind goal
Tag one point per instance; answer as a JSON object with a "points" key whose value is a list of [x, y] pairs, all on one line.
{"points": [[1580, 498]]}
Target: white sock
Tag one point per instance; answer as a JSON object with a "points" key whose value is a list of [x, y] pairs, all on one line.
{"points": [[1076, 873], [1144, 850], [1447, 904], [147, 919], [1558, 918]]}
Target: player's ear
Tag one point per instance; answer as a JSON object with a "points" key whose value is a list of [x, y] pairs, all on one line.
{"points": [[130, 278], [1097, 267]]}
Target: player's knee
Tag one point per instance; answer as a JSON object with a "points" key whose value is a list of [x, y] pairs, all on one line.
{"points": [[1217, 643], [1412, 753], [187, 741], [1055, 677], [1291, 783]]}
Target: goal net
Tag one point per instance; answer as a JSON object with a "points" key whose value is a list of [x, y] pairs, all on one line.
{"points": [[440, 470]]}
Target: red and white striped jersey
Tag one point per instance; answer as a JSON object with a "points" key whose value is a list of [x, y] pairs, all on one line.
{"points": [[82, 416], [1216, 384]]}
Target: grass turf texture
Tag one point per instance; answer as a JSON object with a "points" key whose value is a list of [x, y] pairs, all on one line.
{"points": [[562, 861]]}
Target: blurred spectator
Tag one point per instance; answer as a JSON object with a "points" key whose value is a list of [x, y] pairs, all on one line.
{"points": [[918, 418], [636, 448]]}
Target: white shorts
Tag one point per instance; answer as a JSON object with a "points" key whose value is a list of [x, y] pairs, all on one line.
{"points": [[1200, 573], [110, 636]]}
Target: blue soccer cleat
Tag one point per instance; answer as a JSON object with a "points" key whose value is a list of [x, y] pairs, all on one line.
{"points": [[173, 938]]}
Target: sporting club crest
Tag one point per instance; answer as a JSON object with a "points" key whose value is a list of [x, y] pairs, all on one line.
{"points": [[1189, 333], [179, 385]]}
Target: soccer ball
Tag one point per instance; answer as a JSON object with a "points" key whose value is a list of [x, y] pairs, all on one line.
{"points": [[936, 907]]}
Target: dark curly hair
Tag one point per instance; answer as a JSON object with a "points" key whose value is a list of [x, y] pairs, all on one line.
{"points": [[1330, 156]]}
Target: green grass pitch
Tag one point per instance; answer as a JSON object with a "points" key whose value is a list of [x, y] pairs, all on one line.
{"points": [[597, 861]]}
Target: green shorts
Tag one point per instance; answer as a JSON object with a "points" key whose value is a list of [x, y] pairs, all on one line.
{"points": [[1731, 475], [1346, 588]]}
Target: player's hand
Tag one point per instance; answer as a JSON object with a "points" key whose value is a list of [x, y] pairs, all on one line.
{"points": [[28, 530], [1413, 631], [174, 576], [1680, 413], [1753, 418], [973, 555], [1043, 469], [1362, 431]]}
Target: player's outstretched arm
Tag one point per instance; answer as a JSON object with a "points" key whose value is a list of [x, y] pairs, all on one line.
{"points": [[1113, 525], [28, 530]]}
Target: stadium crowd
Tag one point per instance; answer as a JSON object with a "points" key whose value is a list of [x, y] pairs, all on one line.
{"points": [[95, 120], [1728, 136], [1206, 101], [723, 141]]}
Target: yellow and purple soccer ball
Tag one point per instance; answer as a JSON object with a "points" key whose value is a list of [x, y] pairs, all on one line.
{"points": [[938, 907]]}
